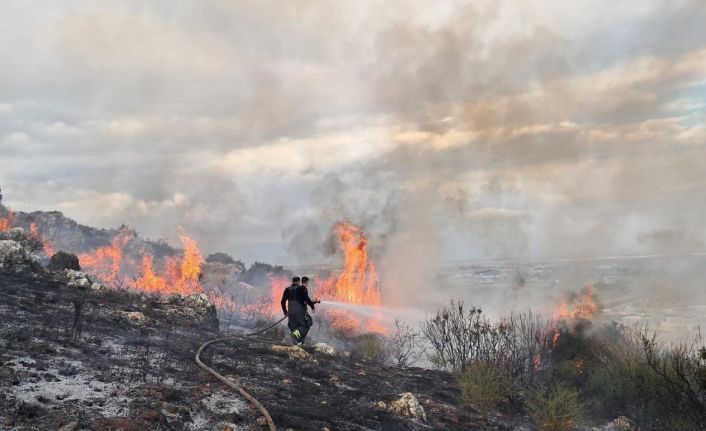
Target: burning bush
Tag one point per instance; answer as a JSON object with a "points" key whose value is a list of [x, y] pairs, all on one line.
{"points": [[610, 371]]}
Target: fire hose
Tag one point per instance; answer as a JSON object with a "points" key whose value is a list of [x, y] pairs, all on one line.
{"points": [[230, 383]]}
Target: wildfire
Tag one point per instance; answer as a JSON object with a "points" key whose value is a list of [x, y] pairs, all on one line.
{"points": [[110, 265], [6, 222], [179, 277], [191, 264], [47, 245], [277, 286], [579, 307], [357, 282], [149, 280], [106, 262]]}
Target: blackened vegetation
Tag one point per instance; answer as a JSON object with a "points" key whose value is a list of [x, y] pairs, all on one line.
{"points": [[109, 359], [343, 394], [103, 358]]}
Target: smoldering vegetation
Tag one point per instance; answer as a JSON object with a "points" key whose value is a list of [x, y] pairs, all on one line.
{"points": [[565, 373]]}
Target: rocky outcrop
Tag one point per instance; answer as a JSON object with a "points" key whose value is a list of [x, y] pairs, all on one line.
{"points": [[63, 260], [13, 257], [74, 278], [294, 352], [408, 405], [195, 307], [325, 349]]}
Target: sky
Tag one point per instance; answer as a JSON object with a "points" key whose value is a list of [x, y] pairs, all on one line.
{"points": [[448, 131]]}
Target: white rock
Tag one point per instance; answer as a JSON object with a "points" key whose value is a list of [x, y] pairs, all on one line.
{"points": [[408, 405], [324, 348], [13, 257], [293, 351], [620, 424], [75, 278]]}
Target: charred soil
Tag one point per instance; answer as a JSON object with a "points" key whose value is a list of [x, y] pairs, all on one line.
{"points": [[106, 359]]}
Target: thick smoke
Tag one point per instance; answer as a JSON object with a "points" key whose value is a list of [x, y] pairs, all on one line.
{"points": [[469, 131]]}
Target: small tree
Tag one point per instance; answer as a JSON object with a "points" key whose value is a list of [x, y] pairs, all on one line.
{"points": [[682, 371]]}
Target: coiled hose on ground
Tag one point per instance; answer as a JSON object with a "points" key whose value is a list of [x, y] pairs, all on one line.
{"points": [[234, 385]]}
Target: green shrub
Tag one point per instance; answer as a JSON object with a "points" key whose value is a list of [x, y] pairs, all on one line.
{"points": [[368, 346], [485, 386], [558, 409]]}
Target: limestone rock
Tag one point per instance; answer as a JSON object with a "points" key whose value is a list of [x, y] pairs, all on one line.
{"points": [[196, 307], [13, 257], [293, 351], [408, 405], [76, 279], [620, 424], [325, 348]]}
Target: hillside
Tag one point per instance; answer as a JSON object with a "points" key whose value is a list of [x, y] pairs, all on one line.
{"points": [[75, 355]]}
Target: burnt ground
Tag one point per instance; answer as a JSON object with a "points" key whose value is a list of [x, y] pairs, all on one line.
{"points": [[109, 360]]}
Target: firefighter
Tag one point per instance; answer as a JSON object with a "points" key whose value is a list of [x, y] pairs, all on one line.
{"points": [[307, 318], [294, 301]]}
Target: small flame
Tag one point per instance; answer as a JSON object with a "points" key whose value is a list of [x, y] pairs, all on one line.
{"points": [[580, 307], [7, 221]]}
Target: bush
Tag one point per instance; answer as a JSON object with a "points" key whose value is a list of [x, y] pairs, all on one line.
{"points": [[404, 347], [485, 385], [558, 409], [368, 346], [458, 335], [681, 371]]}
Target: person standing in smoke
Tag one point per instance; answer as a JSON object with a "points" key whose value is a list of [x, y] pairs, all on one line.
{"points": [[294, 301], [308, 319]]}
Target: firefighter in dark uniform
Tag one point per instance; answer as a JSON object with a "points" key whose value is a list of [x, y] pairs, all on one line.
{"points": [[294, 301]]}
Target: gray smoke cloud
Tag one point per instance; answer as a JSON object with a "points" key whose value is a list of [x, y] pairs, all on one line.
{"points": [[469, 130]]}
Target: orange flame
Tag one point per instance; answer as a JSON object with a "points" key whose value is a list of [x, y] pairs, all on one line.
{"points": [[179, 277], [106, 262], [149, 280], [47, 245], [580, 307], [7, 221], [357, 283]]}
